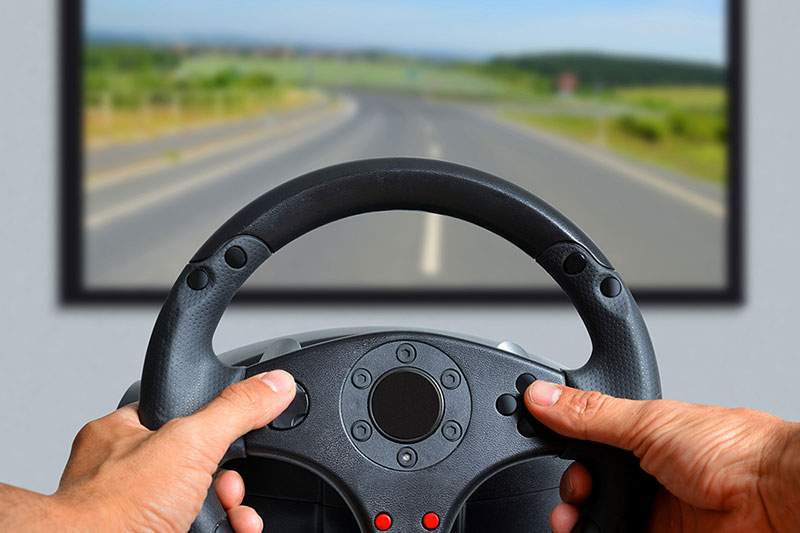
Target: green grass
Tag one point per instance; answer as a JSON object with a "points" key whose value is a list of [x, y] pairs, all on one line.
{"points": [[693, 98], [702, 160], [390, 74], [678, 128]]}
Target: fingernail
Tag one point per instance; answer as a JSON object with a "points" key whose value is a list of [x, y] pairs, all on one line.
{"points": [[278, 380], [568, 486], [544, 393]]}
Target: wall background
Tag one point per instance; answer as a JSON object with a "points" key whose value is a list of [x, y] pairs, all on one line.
{"points": [[60, 367]]}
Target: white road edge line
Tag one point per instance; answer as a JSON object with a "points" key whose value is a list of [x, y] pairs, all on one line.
{"points": [[132, 171], [430, 260], [219, 172], [699, 201]]}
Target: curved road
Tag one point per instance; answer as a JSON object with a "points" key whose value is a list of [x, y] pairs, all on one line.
{"points": [[143, 221]]}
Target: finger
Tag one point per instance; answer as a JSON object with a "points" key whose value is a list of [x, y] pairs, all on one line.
{"points": [[587, 415], [128, 413], [242, 407], [229, 487], [245, 519], [564, 517], [576, 484]]}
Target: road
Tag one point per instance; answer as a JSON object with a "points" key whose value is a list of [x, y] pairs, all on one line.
{"points": [[144, 219]]}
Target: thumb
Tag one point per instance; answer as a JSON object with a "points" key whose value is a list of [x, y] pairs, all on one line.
{"points": [[586, 415], [241, 407]]}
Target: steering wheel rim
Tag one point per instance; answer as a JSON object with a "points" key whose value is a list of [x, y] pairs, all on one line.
{"points": [[182, 373]]}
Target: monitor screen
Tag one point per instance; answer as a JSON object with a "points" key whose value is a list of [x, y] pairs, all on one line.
{"points": [[623, 114]]}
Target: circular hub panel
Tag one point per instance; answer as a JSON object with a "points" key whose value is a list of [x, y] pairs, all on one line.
{"points": [[406, 405], [414, 411]]}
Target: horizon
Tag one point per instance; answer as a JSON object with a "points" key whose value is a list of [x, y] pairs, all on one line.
{"points": [[211, 41], [679, 30]]}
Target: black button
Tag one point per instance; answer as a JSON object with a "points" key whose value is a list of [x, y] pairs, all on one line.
{"points": [[235, 257], [197, 279], [295, 413], [524, 381], [611, 286], [406, 405], [506, 404], [525, 427], [574, 263]]}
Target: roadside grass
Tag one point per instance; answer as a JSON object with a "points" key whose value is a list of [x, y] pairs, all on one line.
{"points": [[135, 92], [106, 124], [704, 160], [698, 98], [398, 74]]}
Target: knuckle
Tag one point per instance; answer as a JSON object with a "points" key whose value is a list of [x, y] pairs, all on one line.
{"points": [[90, 432], [650, 415], [584, 406], [241, 396]]}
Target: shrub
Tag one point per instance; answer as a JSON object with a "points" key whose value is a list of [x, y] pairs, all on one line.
{"points": [[699, 126], [651, 129]]}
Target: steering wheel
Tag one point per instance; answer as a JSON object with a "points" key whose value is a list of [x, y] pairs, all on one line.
{"points": [[406, 425]]}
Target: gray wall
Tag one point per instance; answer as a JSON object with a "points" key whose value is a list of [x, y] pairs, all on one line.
{"points": [[61, 367]]}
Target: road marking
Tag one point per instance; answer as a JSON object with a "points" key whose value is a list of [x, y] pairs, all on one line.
{"points": [[220, 172], [430, 259], [104, 179], [710, 206]]}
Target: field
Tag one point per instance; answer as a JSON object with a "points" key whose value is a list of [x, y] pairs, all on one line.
{"points": [[679, 128], [134, 92], [386, 73], [167, 112]]}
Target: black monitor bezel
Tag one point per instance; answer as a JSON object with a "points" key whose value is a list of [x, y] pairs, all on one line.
{"points": [[73, 290]]}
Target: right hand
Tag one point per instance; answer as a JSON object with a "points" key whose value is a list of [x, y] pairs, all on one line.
{"points": [[720, 469]]}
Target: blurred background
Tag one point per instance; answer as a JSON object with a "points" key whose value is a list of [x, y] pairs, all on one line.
{"points": [[616, 112], [61, 365]]}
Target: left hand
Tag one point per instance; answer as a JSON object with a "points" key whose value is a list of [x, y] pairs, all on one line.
{"points": [[123, 477]]}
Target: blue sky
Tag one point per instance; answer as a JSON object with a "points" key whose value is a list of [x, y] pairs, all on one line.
{"points": [[686, 29]]}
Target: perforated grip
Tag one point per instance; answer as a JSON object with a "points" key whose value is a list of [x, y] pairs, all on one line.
{"points": [[181, 371], [622, 364]]}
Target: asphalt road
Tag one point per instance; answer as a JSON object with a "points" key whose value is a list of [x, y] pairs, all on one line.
{"points": [[144, 220]]}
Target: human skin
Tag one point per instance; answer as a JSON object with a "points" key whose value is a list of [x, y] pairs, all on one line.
{"points": [[122, 477], [719, 469]]}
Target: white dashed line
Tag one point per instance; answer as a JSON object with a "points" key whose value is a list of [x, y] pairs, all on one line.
{"points": [[430, 260]]}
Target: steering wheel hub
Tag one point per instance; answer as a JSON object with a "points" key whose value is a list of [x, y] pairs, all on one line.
{"points": [[410, 416]]}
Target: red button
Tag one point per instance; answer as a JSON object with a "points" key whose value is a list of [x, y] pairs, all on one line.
{"points": [[383, 522], [430, 521]]}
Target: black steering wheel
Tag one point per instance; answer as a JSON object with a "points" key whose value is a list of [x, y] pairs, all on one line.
{"points": [[406, 425]]}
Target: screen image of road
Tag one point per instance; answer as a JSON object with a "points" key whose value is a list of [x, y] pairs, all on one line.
{"points": [[615, 112]]}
